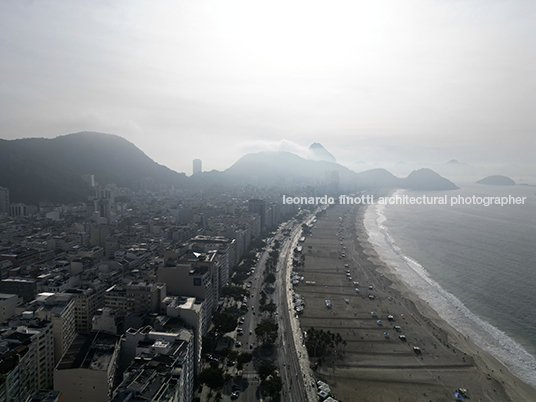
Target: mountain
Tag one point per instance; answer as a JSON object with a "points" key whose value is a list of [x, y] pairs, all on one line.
{"points": [[277, 168], [359, 166], [284, 167], [318, 153], [427, 179], [377, 178], [40, 169], [497, 180], [455, 168]]}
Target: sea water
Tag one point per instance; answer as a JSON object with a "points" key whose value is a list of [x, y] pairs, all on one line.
{"points": [[475, 265]]}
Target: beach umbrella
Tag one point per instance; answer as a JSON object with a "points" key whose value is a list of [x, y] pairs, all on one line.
{"points": [[386, 333]]}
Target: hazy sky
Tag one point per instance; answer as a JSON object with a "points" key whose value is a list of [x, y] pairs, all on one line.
{"points": [[383, 81]]}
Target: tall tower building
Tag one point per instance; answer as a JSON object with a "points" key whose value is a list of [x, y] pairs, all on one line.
{"points": [[258, 207], [4, 199], [197, 166]]}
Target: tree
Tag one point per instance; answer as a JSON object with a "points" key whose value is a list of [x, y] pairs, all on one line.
{"points": [[213, 377], [236, 292], [214, 364], [263, 297], [270, 278], [274, 254], [224, 322], [270, 307], [266, 370], [273, 385], [224, 352], [233, 354], [207, 345], [266, 331], [320, 343], [244, 357]]}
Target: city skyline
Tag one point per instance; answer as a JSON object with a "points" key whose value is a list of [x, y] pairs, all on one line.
{"points": [[382, 82]]}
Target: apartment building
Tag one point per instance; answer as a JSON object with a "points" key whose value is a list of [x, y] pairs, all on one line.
{"points": [[57, 308], [87, 371]]}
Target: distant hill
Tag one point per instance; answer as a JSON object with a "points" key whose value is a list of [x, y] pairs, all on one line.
{"points": [[497, 180], [40, 169], [378, 178], [273, 168], [318, 153], [284, 167], [427, 179]]}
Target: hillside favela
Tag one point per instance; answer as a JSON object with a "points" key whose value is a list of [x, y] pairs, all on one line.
{"points": [[283, 201]]}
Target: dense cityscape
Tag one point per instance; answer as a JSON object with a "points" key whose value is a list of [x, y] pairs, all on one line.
{"points": [[129, 294], [304, 201]]}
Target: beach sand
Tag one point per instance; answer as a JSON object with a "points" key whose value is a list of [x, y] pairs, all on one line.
{"points": [[376, 367]]}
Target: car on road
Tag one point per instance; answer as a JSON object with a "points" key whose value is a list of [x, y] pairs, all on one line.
{"points": [[238, 344], [250, 332]]}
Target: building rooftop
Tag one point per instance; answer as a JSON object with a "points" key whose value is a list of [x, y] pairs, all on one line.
{"points": [[92, 350], [149, 378]]}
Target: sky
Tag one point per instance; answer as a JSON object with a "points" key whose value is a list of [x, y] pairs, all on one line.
{"points": [[375, 81]]}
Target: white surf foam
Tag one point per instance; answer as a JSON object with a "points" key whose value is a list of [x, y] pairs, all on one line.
{"points": [[449, 307]]}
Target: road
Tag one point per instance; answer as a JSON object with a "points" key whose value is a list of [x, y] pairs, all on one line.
{"points": [[292, 361], [252, 318], [292, 356], [290, 368]]}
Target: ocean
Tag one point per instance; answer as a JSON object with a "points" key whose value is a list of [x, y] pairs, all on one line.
{"points": [[474, 264]]}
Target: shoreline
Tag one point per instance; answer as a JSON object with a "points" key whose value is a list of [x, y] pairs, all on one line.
{"points": [[515, 386], [373, 366]]}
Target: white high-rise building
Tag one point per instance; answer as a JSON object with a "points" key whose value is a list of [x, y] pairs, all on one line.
{"points": [[59, 308], [4, 199], [197, 166]]}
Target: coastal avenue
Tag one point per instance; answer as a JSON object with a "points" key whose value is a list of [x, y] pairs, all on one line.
{"points": [[292, 372], [288, 358]]}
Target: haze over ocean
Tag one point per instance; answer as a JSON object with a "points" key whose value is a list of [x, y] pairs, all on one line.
{"points": [[475, 265]]}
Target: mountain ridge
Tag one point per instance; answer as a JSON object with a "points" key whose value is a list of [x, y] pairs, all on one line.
{"points": [[318, 153], [497, 180], [41, 169]]}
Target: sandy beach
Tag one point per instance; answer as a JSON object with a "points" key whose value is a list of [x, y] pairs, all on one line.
{"points": [[376, 366]]}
